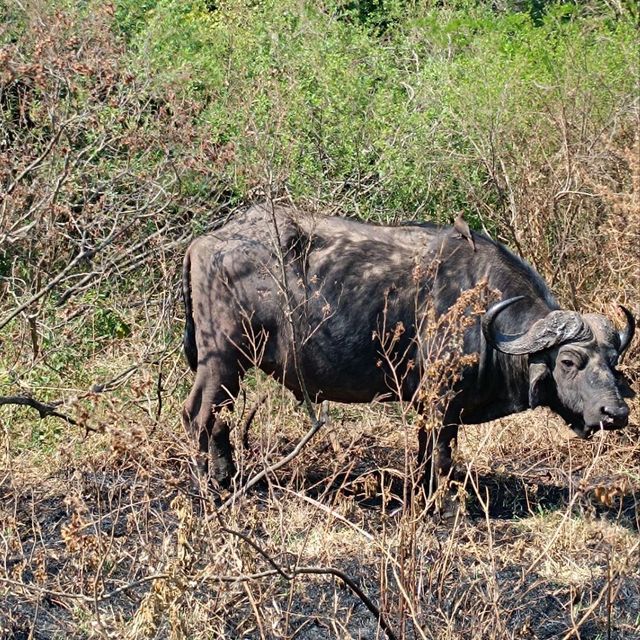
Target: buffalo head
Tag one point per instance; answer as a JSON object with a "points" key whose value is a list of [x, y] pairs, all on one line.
{"points": [[572, 365]]}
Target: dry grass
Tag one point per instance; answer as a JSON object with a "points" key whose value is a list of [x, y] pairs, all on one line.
{"points": [[104, 535]]}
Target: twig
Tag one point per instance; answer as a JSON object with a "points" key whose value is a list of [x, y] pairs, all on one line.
{"points": [[42, 408], [159, 391], [286, 290], [293, 572], [255, 546], [51, 409], [114, 383], [330, 511], [82, 596], [45, 290], [605, 591], [514, 208], [382, 621], [119, 263], [250, 416], [84, 254], [41, 157], [317, 423]]}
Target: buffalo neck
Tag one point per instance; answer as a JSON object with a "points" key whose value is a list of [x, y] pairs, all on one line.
{"points": [[502, 380]]}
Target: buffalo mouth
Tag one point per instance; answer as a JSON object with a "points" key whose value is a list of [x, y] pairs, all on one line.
{"points": [[582, 430], [585, 431]]}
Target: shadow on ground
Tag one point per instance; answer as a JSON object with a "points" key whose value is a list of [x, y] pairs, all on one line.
{"points": [[508, 496]]}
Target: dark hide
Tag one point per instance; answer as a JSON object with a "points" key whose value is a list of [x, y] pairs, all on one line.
{"points": [[350, 287]]}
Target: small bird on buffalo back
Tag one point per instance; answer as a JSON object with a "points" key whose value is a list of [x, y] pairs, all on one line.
{"points": [[461, 226]]}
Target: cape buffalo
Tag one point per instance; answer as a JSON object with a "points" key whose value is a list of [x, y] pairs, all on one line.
{"points": [[310, 299]]}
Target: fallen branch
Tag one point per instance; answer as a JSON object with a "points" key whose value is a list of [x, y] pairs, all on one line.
{"points": [[45, 410], [316, 425], [291, 573]]}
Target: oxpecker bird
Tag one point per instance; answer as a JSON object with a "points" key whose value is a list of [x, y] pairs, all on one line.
{"points": [[461, 226]]}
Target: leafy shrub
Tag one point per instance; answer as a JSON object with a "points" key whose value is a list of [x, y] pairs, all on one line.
{"points": [[417, 121]]}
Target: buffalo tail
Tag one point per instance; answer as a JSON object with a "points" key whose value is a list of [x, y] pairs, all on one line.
{"points": [[189, 340]]}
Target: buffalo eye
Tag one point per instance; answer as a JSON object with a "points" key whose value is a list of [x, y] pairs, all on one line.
{"points": [[571, 363]]}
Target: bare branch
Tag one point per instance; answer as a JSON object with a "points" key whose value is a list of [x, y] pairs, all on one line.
{"points": [[249, 419], [316, 425], [41, 157], [291, 573], [82, 596], [84, 254], [45, 410]]}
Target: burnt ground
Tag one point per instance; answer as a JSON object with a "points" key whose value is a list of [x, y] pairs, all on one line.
{"points": [[522, 552]]}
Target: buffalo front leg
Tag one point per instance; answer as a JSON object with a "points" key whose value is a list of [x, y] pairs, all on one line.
{"points": [[202, 419], [435, 454]]}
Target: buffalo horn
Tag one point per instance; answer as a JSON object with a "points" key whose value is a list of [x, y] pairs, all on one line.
{"points": [[626, 335], [554, 329], [489, 318]]}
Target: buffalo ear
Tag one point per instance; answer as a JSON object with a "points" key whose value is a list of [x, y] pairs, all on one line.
{"points": [[538, 372]]}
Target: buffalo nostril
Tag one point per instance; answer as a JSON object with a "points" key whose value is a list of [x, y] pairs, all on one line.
{"points": [[617, 413]]}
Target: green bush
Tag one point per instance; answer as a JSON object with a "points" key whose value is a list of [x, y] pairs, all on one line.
{"points": [[395, 121]]}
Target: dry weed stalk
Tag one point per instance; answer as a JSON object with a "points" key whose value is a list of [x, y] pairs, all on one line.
{"points": [[440, 342]]}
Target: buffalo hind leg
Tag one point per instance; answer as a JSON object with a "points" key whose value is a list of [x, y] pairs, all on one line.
{"points": [[212, 392], [435, 455]]}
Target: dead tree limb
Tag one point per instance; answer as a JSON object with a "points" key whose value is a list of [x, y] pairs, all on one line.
{"points": [[45, 410], [291, 573]]}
